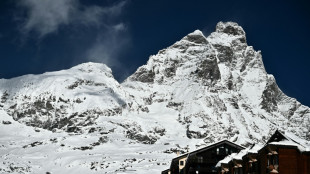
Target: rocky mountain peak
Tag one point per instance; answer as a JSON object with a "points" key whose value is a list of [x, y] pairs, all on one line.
{"points": [[230, 28], [196, 37], [221, 70], [198, 56]]}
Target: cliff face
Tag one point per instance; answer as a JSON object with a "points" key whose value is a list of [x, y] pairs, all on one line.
{"points": [[195, 92], [219, 83]]}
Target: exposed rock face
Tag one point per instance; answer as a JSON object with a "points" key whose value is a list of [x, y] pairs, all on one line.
{"points": [[144, 75], [209, 69], [270, 96], [225, 53], [221, 77], [195, 92], [230, 28]]}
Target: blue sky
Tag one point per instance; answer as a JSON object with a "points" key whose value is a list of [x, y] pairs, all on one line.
{"points": [[38, 36]]}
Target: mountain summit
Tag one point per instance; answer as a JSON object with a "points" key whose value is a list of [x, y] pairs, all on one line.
{"points": [[220, 83], [197, 91]]}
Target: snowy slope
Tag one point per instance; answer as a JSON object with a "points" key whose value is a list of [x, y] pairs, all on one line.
{"points": [[193, 93], [26, 149], [78, 95]]}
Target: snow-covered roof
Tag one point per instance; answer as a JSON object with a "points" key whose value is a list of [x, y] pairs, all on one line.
{"points": [[292, 143], [226, 160], [241, 154], [292, 140], [218, 143], [181, 156], [303, 145], [208, 147], [255, 148], [238, 156]]}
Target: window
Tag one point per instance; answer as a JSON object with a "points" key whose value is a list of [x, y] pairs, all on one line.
{"points": [[250, 167], [238, 170], [181, 163], [254, 167], [217, 151], [200, 159], [222, 151], [275, 160], [272, 161]]}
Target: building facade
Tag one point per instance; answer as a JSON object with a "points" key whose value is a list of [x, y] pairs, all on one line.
{"points": [[281, 154], [204, 160]]}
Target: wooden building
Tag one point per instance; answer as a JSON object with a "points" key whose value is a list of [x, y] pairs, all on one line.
{"points": [[284, 155], [250, 162], [203, 161], [178, 164], [281, 154], [226, 165], [244, 162]]}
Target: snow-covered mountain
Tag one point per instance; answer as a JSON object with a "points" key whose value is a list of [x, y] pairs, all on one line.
{"points": [[193, 93]]}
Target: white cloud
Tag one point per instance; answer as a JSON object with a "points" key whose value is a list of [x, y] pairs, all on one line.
{"points": [[119, 27], [108, 45], [46, 16]]}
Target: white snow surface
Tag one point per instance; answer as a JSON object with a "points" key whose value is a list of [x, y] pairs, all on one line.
{"points": [[198, 91], [255, 148], [293, 140], [226, 160]]}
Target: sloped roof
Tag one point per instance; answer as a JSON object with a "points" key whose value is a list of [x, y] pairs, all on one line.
{"points": [[255, 148], [209, 147], [226, 160], [217, 144], [289, 139], [278, 138], [238, 156], [181, 156]]}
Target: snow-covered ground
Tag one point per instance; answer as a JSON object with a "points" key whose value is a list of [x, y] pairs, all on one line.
{"points": [[27, 149]]}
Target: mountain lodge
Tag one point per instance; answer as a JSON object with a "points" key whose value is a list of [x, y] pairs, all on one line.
{"points": [[281, 154], [202, 160]]}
